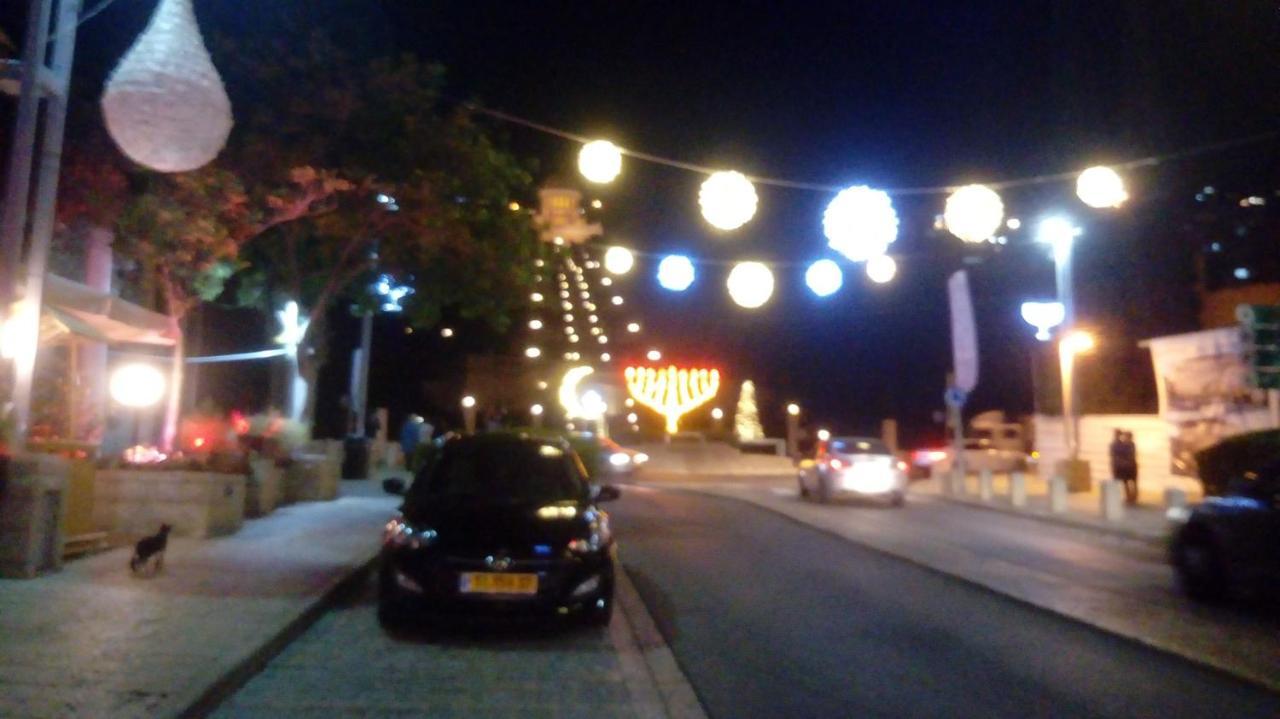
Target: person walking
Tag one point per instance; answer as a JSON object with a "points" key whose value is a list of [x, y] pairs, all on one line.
{"points": [[1129, 467], [410, 436]]}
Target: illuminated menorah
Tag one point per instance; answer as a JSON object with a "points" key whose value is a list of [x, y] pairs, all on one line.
{"points": [[672, 392]]}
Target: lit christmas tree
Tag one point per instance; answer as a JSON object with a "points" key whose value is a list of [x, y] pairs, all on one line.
{"points": [[746, 421]]}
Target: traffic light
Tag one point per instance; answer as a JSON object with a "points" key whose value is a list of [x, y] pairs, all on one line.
{"points": [[1260, 328]]}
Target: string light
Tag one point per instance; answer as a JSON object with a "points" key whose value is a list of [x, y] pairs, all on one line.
{"points": [[750, 284], [618, 261], [824, 278], [675, 273], [600, 161], [973, 213], [860, 223], [728, 200], [1101, 187], [881, 269]]}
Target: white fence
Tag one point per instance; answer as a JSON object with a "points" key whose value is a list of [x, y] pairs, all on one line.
{"points": [[1150, 434]]}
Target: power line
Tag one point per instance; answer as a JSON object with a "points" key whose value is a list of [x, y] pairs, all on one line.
{"points": [[1138, 163]]}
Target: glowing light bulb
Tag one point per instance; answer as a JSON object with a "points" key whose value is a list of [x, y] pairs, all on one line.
{"points": [[881, 269], [750, 284], [973, 213], [1101, 187], [600, 161], [675, 273], [860, 223], [824, 278], [728, 200], [618, 260]]}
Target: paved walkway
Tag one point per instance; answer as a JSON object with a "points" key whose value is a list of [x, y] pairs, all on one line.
{"points": [[92, 640], [1119, 584]]}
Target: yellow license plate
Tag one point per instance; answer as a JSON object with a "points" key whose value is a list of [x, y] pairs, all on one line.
{"points": [[491, 583]]}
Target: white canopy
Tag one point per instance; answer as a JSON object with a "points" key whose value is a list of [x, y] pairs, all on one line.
{"points": [[74, 308]]}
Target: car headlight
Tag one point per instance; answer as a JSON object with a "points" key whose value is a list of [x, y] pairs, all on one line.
{"points": [[619, 459], [640, 458], [398, 533]]}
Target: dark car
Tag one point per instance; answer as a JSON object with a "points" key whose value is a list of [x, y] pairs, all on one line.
{"points": [[499, 524], [1231, 542]]}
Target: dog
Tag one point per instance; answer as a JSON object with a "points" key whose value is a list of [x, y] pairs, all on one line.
{"points": [[150, 551]]}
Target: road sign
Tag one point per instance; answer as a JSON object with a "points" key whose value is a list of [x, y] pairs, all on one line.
{"points": [[1260, 329], [955, 397], [964, 337]]}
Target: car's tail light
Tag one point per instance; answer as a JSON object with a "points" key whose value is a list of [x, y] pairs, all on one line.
{"points": [[902, 466], [835, 463]]}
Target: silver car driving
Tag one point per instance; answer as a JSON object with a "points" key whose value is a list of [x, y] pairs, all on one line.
{"points": [[853, 467]]}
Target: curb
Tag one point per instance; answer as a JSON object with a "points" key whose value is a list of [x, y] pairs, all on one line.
{"points": [[1224, 669], [244, 670], [675, 698], [1058, 519]]}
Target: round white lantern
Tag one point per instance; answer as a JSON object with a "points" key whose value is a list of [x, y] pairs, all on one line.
{"points": [[728, 200], [676, 273], [137, 385], [860, 223], [973, 213], [1101, 187], [164, 104], [824, 278], [618, 260], [881, 269], [600, 161], [750, 284]]}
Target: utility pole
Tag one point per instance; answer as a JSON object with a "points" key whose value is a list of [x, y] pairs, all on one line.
{"points": [[48, 53]]}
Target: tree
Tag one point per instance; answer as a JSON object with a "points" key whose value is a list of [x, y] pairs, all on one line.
{"points": [[448, 232], [746, 420]]}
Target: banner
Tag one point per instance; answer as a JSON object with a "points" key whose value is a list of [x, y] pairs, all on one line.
{"points": [[964, 337], [1205, 396]]}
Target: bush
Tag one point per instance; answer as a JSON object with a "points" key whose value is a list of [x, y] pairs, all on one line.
{"points": [[1234, 456]]}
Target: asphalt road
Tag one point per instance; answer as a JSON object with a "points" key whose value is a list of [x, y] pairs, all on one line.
{"points": [[770, 618]]}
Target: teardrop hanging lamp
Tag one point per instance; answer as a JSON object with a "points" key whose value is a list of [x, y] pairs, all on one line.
{"points": [[164, 104]]}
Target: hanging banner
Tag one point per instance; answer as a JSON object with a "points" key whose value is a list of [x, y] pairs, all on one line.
{"points": [[1205, 396], [964, 336]]}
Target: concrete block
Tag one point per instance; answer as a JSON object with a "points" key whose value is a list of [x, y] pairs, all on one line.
{"points": [[1018, 489], [197, 504], [984, 485], [1076, 474], [262, 487], [1058, 495], [1111, 498], [31, 515], [1175, 498]]}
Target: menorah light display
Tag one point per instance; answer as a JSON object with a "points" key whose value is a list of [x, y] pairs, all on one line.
{"points": [[672, 392]]}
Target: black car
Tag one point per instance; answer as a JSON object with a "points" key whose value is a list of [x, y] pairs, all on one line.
{"points": [[1231, 542], [499, 524]]}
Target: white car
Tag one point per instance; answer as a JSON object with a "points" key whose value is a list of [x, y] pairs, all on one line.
{"points": [[980, 454], [853, 467]]}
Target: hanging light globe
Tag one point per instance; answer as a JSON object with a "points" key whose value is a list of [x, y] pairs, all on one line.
{"points": [[619, 260], [824, 278], [860, 223], [675, 273], [164, 104], [1101, 187], [750, 284], [600, 161], [728, 200], [881, 269], [973, 213]]}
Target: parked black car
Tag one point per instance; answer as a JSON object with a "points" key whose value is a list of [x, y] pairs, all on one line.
{"points": [[500, 524], [1232, 541]]}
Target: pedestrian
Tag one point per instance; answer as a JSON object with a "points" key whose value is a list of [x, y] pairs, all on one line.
{"points": [[1129, 467], [410, 436], [1114, 450]]}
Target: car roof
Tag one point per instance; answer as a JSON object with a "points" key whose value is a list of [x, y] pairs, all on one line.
{"points": [[503, 438]]}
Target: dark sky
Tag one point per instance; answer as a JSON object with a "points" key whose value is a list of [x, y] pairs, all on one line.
{"points": [[891, 94]]}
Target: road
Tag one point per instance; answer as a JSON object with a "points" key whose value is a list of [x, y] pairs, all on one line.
{"points": [[770, 617]]}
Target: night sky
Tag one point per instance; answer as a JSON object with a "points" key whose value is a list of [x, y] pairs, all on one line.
{"points": [[891, 94]]}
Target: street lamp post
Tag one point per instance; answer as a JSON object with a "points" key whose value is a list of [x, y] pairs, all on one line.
{"points": [[793, 429], [1060, 234]]}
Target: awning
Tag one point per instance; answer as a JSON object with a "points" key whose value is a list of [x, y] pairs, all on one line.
{"points": [[72, 308]]}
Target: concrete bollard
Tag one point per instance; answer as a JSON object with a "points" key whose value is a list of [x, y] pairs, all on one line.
{"points": [[957, 482], [1175, 498], [1112, 499], [1058, 495], [984, 485], [1018, 489]]}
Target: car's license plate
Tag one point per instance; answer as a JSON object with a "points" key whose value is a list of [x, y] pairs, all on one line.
{"points": [[493, 583]]}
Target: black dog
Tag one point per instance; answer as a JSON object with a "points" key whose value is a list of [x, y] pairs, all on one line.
{"points": [[150, 550]]}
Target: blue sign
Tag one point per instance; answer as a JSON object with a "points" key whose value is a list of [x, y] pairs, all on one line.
{"points": [[955, 397]]}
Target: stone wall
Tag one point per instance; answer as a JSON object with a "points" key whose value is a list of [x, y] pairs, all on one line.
{"points": [[136, 502]]}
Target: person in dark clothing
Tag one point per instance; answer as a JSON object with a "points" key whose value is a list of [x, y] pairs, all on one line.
{"points": [[1124, 464]]}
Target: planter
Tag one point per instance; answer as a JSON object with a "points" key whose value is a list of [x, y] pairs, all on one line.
{"points": [[197, 504], [31, 510], [311, 478], [263, 491]]}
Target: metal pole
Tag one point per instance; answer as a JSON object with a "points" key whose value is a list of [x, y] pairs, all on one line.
{"points": [[366, 344], [63, 36], [1062, 277]]}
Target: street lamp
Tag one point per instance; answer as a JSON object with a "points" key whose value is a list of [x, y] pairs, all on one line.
{"points": [[1060, 234], [793, 429], [1070, 344], [469, 413]]}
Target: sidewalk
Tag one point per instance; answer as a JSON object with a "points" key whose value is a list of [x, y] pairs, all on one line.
{"points": [[1145, 521], [92, 640]]}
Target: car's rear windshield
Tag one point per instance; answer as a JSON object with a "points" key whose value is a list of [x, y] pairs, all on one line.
{"points": [[855, 445], [515, 472]]}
